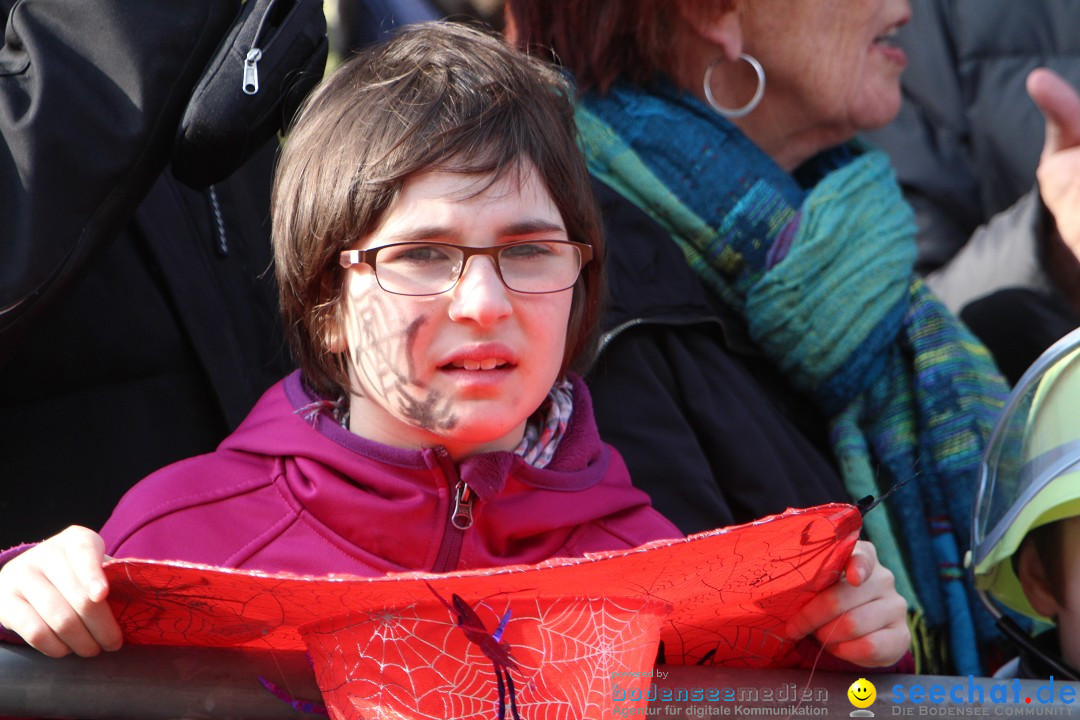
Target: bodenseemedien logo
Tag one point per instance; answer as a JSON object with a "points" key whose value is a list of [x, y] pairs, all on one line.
{"points": [[862, 694]]}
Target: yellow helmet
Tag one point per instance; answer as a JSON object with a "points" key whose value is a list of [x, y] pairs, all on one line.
{"points": [[1030, 473]]}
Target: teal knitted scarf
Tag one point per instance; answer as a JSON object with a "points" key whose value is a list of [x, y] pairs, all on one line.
{"points": [[825, 283]]}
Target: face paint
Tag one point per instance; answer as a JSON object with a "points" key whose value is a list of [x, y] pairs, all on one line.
{"points": [[383, 361]]}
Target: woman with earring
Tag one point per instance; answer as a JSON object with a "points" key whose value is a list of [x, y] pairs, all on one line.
{"points": [[767, 343]]}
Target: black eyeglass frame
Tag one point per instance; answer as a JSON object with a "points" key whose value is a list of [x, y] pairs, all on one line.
{"points": [[350, 258]]}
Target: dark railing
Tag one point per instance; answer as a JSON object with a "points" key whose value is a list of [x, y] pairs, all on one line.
{"points": [[152, 682], [156, 682]]}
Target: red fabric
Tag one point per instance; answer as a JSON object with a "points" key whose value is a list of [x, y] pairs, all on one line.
{"points": [[732, 590], [565, 657]]}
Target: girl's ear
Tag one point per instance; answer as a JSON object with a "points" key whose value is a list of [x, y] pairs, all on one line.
{"points": [[334, 338], [718, 24], [1033, 579]]}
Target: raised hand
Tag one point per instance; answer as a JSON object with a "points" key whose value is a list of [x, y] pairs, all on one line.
{"points": [[1059, 165]]}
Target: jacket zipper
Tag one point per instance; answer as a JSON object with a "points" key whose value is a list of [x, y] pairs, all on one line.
{"points": [[250, 83], [462, 517], [459, 519], [733, 344], [608, 337], [251, 71]]}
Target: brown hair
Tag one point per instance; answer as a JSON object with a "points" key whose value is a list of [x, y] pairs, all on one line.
{"points": [[438, 96], [600, 41]]}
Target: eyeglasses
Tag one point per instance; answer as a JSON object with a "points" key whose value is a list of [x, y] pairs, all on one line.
{"points": [[431, 268]]}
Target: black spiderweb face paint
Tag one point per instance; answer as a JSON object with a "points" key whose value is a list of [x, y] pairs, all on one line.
{"points": [[382, 352]]}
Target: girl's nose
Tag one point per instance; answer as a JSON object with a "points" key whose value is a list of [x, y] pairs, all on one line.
{"points": [[480, 295]]}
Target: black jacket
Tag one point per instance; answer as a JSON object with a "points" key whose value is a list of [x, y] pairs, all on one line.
{"points": [[707, 427], [138, 319]]}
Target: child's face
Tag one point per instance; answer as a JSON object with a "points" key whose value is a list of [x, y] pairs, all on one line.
{"points": [[1068, 615], [1057, 597], [407, 353], [1068, 611]]}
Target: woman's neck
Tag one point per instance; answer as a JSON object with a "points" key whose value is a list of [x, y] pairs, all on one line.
{"points": [[788, 146], [773, 128]]}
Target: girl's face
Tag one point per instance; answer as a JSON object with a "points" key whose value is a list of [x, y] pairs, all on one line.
{"points": [[466, 368]]}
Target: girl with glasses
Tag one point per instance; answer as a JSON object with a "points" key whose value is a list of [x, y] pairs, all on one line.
{"points": [[437, 252], [438, 255]]}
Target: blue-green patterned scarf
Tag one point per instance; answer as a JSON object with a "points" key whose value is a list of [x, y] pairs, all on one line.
{"points": [[824, 280]]}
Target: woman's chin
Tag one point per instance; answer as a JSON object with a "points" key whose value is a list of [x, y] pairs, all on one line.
{"points": [[879, 108]]}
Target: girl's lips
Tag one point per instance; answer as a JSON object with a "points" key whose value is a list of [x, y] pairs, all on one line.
{"points": [[464, 373], [485, 364], [476, 383], [478, 370], [479, 357]]}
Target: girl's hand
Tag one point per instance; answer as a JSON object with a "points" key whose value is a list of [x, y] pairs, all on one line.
{"points": [[861, 618], [53, 596]]}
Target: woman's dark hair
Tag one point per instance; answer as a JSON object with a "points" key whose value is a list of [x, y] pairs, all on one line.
{"points": [[437, 96], [600, 41]]}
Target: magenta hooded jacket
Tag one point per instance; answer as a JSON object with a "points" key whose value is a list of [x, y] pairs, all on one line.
{"points": [[291, 490]]}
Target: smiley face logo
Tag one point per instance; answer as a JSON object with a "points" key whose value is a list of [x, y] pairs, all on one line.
{"points": [[862, 693]]}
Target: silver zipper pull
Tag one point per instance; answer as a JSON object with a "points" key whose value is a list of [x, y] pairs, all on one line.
{"points": [[251, 71], [462, 518]]}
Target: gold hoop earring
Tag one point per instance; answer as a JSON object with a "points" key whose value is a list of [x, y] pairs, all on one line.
{"points": [[748, 107]]}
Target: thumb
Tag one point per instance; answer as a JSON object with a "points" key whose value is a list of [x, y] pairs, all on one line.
{"points": [[85, 552], [96, 583], [861, 563], [1060, 105]]}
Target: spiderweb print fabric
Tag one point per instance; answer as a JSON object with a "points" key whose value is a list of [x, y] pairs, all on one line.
{"points": [[416, 662], [731, 592]]}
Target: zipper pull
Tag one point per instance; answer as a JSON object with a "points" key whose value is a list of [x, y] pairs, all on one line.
{"points": [[251, 71], [462, 518]]}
